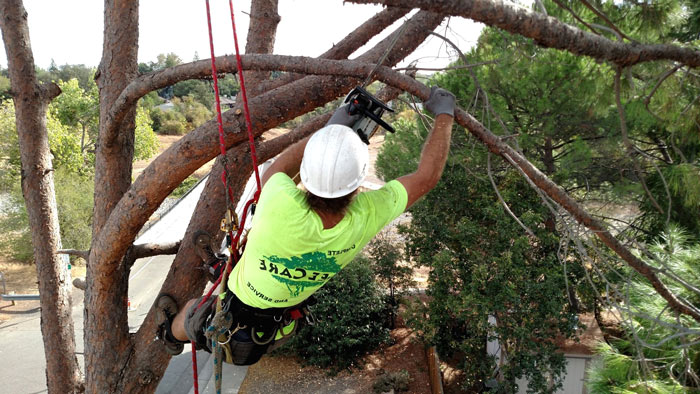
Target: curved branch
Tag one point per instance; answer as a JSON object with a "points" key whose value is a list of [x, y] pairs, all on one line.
{"points": [[146, 83], [149, 250], [84, 254], [549, 32]]}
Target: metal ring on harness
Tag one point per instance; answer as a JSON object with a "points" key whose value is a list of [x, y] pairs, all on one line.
{"points": [[232, 333], [254, 337]]}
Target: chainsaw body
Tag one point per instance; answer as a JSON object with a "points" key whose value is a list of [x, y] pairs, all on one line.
{"points": [[370, 109]]}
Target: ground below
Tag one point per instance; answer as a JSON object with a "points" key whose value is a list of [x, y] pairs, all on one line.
{"points": [[285, 374]]}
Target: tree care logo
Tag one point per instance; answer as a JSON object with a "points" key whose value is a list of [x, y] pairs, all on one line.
{"points": [[301, 272]]}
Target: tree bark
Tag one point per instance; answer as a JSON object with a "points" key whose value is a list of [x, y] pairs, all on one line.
{"points": [[31, 101], [261, 38], [107, 341], [548, 31]]}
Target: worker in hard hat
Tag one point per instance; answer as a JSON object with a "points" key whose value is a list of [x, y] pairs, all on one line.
{"points": [[301, 238]]}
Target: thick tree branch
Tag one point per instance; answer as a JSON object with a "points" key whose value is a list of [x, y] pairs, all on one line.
{"points": [[84, 254], [262, 30], [149, 250], [31, 101], [146, 83], [549, 32]]}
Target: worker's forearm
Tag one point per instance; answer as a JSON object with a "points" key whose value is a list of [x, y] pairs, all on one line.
{"points": [[436, 148]]}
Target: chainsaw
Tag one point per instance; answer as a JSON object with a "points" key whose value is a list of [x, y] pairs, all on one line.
{"points": [[361, 102]]}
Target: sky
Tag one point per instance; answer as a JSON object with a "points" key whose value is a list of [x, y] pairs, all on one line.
{"points": [[70, 32]]}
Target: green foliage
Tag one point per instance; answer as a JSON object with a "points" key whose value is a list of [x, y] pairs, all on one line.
{"points": [[162, 61], [9, 147], [145, 141], [184, 187], [385, 256], [197, 91], [483, 263], [15, 239], [662, 366], [74, 197], [4, 88], [74, 202], [170, 122], [388, 381], [349, 320], [66, 72], [195, 112], [683, 184], [186, 115]]}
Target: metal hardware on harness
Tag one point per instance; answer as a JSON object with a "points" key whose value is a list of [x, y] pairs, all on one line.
{"points": [[361, 102], [254, 337], [232, 333], [230, 222]]}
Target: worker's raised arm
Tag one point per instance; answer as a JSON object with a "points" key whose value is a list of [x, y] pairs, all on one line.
{"points": [[436, 148], [289, 161]]}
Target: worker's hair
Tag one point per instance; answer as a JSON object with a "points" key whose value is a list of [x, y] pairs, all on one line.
{"points": [[329, 205]]}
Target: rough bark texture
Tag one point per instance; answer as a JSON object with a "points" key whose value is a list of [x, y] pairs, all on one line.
{"points": [[31, 100], [548, 31], [261, 38], [107, 341]]}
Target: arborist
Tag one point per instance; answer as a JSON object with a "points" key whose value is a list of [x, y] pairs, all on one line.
{"points": [[300, 239]]}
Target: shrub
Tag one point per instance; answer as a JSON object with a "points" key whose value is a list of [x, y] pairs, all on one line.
{"points": [[349, 320], [74, 197], [184, 187], [74, 202], [388, 381]]}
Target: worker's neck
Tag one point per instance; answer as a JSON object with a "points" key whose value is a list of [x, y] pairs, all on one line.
{"points": [[329, 220]]}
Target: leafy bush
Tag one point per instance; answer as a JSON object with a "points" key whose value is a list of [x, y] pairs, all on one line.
{"points": [[145, 141], [170, 122], [184, 187], [195, 112], [658, 353], [74, 197], [15, 238], [483, 263], [397, 381], [349, 320]]}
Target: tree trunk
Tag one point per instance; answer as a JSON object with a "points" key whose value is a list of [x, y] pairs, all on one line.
{"points": [[261, 37], [31, 101], [107, 341]]}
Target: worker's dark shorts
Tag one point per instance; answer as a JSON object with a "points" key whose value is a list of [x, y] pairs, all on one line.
{"points": [[240, 349]]}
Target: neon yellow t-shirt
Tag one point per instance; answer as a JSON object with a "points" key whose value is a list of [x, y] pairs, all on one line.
{"points": [[289, 255]]}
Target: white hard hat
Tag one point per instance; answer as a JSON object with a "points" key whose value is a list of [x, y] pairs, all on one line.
{"points": [[335, 162]]}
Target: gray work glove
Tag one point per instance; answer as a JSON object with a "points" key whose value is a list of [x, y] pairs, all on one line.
{"points": [[440, 101], [341, 116]]}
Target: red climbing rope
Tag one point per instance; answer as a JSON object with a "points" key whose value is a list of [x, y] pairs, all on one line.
{"points": [[224, 175]]}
